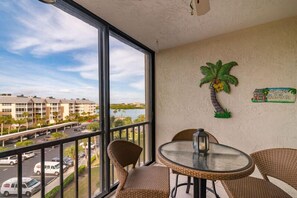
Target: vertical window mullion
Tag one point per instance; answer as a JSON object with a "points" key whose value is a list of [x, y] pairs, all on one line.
{"points": [[106, 104]]}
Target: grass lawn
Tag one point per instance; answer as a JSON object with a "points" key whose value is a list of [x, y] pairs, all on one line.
{"points": [[69, 192]]}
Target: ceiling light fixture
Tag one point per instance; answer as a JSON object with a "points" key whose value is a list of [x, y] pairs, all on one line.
{"points": [[48, 1], [199, 7]]}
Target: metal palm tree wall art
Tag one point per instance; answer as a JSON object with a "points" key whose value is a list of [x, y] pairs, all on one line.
{"points": [[219, 77]]}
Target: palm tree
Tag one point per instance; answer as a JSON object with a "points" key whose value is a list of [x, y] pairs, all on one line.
{"points": [[56, 116], [26, 119], [70, 152], [84, 114], [5, 120], [19, 123], [94, 127], [219, 78], [2, 121], [37, 119], [9, 121]]}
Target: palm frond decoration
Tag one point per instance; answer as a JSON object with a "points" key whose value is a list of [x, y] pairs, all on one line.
{"points": [[220, 79]]}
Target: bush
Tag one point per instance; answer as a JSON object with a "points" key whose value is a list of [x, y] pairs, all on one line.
{"points": [[93, 158], [66, 182], [81, 169], [24, 143], [53, 192]]}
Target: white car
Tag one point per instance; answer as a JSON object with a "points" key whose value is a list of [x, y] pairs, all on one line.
{"points": [[11, 160], [28, 155], [85, 145], [29, 186], [49, 168]]}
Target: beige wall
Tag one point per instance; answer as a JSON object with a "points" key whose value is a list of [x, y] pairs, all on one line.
{"points": [[267, 57]]}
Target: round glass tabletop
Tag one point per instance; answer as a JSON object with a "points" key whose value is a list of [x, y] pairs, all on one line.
{"points": [[220, 158]]}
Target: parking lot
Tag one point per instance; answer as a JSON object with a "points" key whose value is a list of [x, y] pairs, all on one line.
{"points": [[9, 171]]}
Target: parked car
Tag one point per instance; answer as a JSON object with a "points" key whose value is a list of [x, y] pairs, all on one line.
{"points": [[77, 129], [49, 168], [85, 145], [29, 186], [11, 160], [67, 161], [28, 155]]}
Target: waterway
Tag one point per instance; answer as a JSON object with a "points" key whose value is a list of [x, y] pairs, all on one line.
{"points": [[133, 113]]}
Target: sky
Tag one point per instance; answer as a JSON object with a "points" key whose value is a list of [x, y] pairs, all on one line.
{"points": [[47, 52]]}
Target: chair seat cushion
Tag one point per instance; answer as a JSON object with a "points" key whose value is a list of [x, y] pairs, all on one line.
{"points": [[146, 181], [249, 187]]}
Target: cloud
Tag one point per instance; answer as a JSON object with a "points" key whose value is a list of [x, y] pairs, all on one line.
{"points": [[33, 79], [126, 96], [44, 30], [87, 66], [39, 30], [125, 63], [138, 85]]}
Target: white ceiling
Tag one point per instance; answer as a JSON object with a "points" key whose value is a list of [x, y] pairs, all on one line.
{"points": [[161, 24]]}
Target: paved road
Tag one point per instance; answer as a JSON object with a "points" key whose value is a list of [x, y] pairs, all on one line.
{"points": [[7, 171]]}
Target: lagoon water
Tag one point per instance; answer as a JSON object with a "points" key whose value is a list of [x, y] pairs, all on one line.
{"points": [[133, 113]]}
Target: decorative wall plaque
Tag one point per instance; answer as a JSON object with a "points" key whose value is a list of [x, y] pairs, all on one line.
{"points": [[276, 95], [219, 78]]}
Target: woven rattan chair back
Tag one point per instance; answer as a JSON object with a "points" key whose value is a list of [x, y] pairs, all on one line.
{"points": [[187, 135], [280, 163], [123, 153]]}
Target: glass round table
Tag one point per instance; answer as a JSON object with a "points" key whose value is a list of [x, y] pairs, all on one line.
{"points": [[221, 163]]}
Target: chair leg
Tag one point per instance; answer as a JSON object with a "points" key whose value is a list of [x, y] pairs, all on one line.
{"points": [[174, 190], [188, 184], [214, 189]]}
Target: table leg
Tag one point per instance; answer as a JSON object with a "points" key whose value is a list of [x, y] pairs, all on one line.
{"points": [[199, 188]]}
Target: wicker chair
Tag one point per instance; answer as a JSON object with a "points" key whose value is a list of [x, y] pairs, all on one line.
{"points": [[140, 182], [187, 135], [280, 163]]}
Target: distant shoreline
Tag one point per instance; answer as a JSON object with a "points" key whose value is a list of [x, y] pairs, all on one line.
{"points": [[127, 106]]}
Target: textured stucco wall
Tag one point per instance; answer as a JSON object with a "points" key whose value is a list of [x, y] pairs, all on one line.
{"points": [[267, 57]]}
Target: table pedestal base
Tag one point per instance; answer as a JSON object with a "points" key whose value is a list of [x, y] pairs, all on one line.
{"points": [[199, 188]]}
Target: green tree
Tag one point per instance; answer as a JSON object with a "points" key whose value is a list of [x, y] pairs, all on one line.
{"points": [[2, 124], [19, 123], [42, 122], [118, 123], [219, 78], [56, 116], [8, 121], [5, 120], [26, 119], [140, 118], [127, 121], [94, 126], [37, 119], [112, 120], [67, 118], [70, 152]]}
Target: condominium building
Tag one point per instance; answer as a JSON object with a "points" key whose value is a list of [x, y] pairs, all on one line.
{"points": [[18, 107], [68, 108], [85, 106], [39, 109], [51, 109]]}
